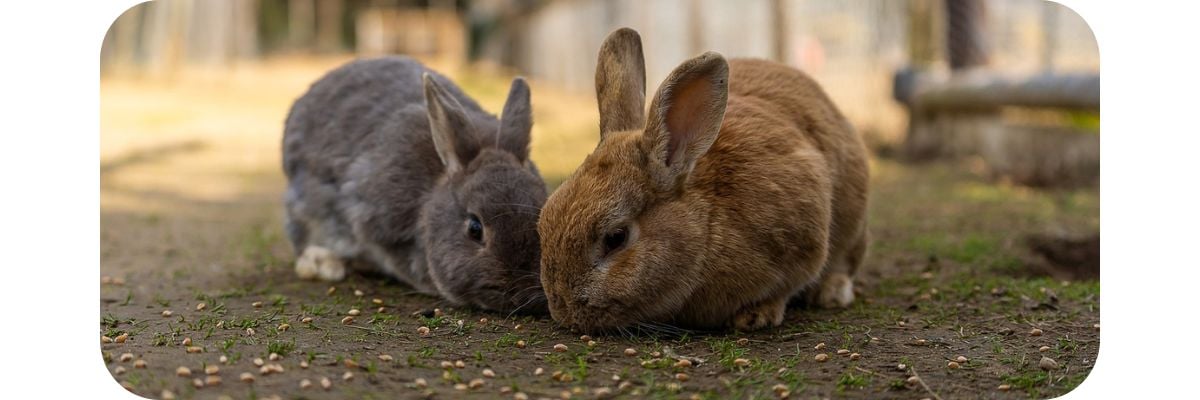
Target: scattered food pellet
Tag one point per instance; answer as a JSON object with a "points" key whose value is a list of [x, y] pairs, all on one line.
{"points": [[538, 372], [683, 364], [119, 370], [460, 364], [560, 347], [602, 392], [682, 377], [819, 346], [913, 380], [212, 380], [283, 327], [358, 293], [484, 321], [350, 363], [822, 357], [167, 395], [520, 344], [565, 395], [348, 320], [460, 386], [952, 365], [842, 352], [249, 331], [901, 367], [348, 376], [855, 356], [420, 383], [487, 372], [447, 365], [274, 356], [223, 359], [585, 338], [354, 312], [423, 331], [201, 307], [304, 364], [520, 396], [183, 371], [1035, 332], [121, 338], [624, 386], [1096, 326], [126, 357], [631, 352], [329, 292], [741, 362], [961, 359], [187, 341], [212, 370], [195, 349], [247, 377], [305, 383], [257, 304], [105, 339], [921, 342], [1004, 387], [1047, 363], [1044, 349], [197, 383], [591, 343], [376, 301], [326, 383], [258, 362], [900, 323], [306, 320], [743, 341], [476, 383], [166, 313], [517, 327], [385, 357]]}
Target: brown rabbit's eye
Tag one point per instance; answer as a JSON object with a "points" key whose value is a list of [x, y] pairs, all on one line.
{"points": [[474, 228], [614, 240]]}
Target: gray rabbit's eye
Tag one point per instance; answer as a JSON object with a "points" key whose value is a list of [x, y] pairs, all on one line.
{"points": [[474, 228]]}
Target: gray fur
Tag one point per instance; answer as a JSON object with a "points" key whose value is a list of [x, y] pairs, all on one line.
{"points": [[366, 181]]}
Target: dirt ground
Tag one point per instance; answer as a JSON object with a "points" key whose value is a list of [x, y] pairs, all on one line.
{"points": [[191, 224]]}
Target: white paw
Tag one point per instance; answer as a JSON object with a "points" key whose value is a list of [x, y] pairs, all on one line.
{"points": [[319, 263], [837, 291]]}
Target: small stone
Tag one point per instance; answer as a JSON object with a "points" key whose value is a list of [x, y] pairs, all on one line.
{"points": [[247, 377], [520, 344], [741, 362], [126, 357], [475, 383], [1044, 349], [212, 380], [952, 365], [201, 307], [682, 377], [631, 352], [121, 338], [961, 359], [743, 341], [822, 357], [842, 352], [212, 370], [183, 371], [354, 312], [258, 362], [385, 357], [855, 356], [819, 346], [348, 376], [1047, 363], [1035, 332], [326, 383], [166, 313], [683, 364], [1004, 388], [348, 320], [423, 331], [488, 373], [561, 348]]}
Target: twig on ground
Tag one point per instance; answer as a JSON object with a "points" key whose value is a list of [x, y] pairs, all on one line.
{"points": [[922, 382]]}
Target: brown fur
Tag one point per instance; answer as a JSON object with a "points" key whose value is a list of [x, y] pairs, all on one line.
{"points": [[723, 227]]}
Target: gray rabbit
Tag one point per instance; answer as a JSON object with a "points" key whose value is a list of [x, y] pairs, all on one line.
{"points": [[392, 168]]}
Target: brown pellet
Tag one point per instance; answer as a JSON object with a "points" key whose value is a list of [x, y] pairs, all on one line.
{"points": [[560, 348], [212, 380], [167, 395], [631, 352], [166, 313], [855, 356], [1035, 332], [1044, 349], [821, 357], [683, 364], [348, 320], [119, 370], [257, 304], [358, 293], [682, 377], [305, 383], [247, 377], [520, 344], [913, 380], [121, 338], [283, 327], [447, 365], [201, 307], [961, 359], [1047, 363], [183, 371], [348, 376], [520, 396], [195, 349], [304, 364], [329, 292], [476, 383], [585, 338], [326, 383], [306, 320], [105, 339], [538, 372], [126, 357], [842, 352], [274, 356], [743, 341], [258, 362], [1004, 387], [349, 363], [187, 341], [423, 331], [385, 357], [819, 346], [741, 362], [212, 370], [460, 364], [354, 312], [197, 383], [488, 373], [952, 365]]}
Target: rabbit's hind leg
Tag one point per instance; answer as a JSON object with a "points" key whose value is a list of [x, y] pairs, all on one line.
{"points": [[318, 262]]}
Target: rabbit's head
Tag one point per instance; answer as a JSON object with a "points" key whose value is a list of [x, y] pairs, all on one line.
{"points": [[480, 221], [619, 237]]}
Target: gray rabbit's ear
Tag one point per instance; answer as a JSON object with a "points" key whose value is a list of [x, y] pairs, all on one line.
{"points": [[686, 116], [515, 121], [452, 135]]}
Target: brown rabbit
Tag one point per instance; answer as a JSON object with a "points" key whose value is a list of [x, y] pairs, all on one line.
{"points": [[744, 187]]}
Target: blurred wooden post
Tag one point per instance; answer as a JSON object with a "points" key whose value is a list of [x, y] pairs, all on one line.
{"points": [[923, 33], [695, 26], [302, 16], [779, 30], [964, 39], [329, 25], [1049, 34]]}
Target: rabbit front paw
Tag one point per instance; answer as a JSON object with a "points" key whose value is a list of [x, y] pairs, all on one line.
{"points": [[763, 315], [837, 291], [317, 262]]}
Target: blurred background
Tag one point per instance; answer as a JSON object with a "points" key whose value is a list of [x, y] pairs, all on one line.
{"points": [[983, 107]]}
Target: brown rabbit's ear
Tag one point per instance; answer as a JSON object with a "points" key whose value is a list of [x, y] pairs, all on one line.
{"points": [[685, 117], [621, 82], [452, 132], [515, 121]]}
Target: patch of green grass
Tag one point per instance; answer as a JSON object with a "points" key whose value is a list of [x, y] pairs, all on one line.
{"points": [[726, 351], [1029, 381], [281, 347], [850, 380]]}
